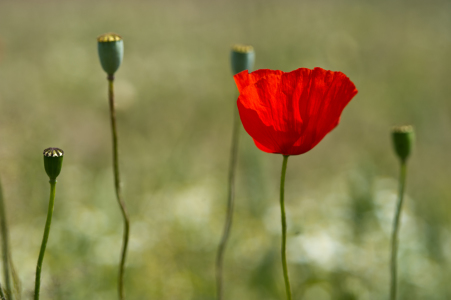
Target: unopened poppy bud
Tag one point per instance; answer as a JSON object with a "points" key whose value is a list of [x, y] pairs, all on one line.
{"points": [[111, 51], [53, 161], [242, 58], [403, 138]]}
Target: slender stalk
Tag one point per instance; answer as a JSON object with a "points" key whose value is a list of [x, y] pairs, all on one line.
{"points": [[117, 185], [230, 205], [284, 227], [16, 280], [5, 246], [394, 240], [45, 239], [2, 294]]}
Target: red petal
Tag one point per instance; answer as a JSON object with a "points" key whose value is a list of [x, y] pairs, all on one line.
{"points": [[265, 137], [290, 113]]}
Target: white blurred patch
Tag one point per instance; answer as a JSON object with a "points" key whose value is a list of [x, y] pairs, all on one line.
{"points": [[386, 202], [320, 248], [193, 205], [272, 219]]}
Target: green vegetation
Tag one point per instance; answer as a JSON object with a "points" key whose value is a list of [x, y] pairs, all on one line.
{"points": [[173, 93]]}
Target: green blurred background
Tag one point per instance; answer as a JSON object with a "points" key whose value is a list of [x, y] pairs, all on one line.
{"points": [[175, 98]]}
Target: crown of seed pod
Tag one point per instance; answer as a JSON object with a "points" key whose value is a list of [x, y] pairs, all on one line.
{"points": [[111, 51], [403, 139], [242, 58], [53, 161]]}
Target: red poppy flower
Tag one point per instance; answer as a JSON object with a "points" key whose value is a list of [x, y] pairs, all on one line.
{"points": [[290, 112]]}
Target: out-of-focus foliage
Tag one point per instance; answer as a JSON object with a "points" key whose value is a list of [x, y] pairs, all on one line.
{"points": [[175, 96]]}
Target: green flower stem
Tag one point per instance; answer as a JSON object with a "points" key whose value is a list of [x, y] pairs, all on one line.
{"points": [[117, 185], [45, 239], [394, 240], [2, 294], [230, 204], [284, 227], [5, 246], [16, 279]]}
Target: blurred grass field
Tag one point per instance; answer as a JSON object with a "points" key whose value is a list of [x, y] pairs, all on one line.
{"points": [[175, 95]]}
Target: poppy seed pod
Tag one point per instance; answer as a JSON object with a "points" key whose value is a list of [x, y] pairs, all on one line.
{"points": [[403, 138], [53, 161], [242, 58], [111, 51]]}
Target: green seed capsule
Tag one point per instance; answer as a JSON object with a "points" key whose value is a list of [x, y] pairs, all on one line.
{"points": [[111, 51], [403, 139], [242, 58], [53, 161]]}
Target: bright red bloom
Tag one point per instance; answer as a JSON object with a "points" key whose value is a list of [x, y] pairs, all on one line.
{"points": [[289, 113]]}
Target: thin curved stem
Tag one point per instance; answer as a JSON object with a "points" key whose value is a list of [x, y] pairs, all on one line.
{"points": [[45, 238], [230, 205], [2, 294], [394, 240], [284, 227], [117, 185], [5, 246], [16, 280]]}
